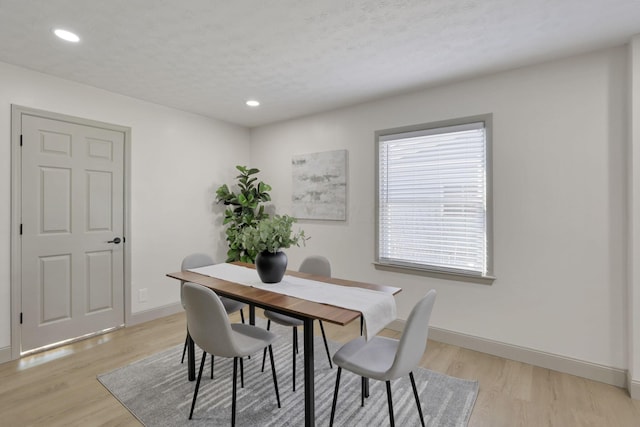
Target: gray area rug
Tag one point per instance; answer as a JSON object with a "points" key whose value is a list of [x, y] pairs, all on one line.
{"points": [[156, 391]]}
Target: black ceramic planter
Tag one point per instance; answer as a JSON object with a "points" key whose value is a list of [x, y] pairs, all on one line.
{"points": [[271, 266]]}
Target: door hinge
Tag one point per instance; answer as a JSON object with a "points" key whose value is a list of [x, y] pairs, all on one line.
{"points": [[21, 229], [21, 318], [20, 140]]}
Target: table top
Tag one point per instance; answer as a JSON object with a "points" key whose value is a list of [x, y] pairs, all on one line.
{"points": [[291, 305]]}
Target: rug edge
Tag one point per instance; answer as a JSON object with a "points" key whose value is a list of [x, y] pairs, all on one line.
{"points": [[118, 399]]}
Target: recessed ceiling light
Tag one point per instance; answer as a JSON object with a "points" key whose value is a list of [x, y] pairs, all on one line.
{"points": [[252, 103], [66, 35]]}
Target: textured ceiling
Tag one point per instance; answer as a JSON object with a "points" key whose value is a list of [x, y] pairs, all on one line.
{"points": [[297, 56]]}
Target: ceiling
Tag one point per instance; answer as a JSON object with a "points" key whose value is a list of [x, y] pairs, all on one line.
{"points": [[297, 57]]}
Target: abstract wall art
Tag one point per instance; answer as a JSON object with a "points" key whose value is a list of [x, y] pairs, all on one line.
{"points": [[320, 185]]}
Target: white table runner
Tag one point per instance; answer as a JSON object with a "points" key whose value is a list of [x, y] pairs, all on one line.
{"points": [[378, 308]]}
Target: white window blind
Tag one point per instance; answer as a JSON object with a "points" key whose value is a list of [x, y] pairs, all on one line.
{"points": [[432, 199]]}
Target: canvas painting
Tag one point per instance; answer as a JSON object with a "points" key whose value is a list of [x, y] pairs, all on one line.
{"points": [[320, 185]]}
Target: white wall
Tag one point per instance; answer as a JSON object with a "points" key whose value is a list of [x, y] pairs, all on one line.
{"points": [[178, 159], [559, 202]]}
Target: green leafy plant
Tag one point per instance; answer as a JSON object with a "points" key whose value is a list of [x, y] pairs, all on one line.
{"points": [[245, 209], [272, 234]]}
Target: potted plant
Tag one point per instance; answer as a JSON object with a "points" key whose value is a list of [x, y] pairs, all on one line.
{"points": [[244, 209], [264, 242]]}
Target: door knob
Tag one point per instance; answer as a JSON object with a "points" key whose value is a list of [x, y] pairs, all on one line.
{"points": [[116, 240]]}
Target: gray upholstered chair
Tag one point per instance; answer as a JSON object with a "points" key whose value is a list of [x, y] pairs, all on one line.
{"points": [[386, 359], [318, 266], [212, 331], [202, 260]]}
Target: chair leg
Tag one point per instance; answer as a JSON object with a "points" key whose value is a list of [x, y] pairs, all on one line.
{"points": [[390, 404], [296, 347], [195, 393], [273, 372], [415, 394], [326, 346], [264, 353], [362, 390], [184, 350], [335, 396], [241, 373], [212, 359], [295, 340], [233, 398]]}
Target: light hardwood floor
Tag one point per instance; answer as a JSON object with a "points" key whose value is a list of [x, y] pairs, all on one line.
{"points": [[59, 387]]}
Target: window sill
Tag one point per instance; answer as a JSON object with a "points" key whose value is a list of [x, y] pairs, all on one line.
{"points": [[446, 275]]}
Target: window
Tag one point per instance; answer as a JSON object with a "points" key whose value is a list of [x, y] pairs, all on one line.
{"points": [[433, 197]]}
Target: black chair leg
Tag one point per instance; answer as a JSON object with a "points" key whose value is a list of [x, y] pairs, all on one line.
{"points": [[392, 423], [264, 353], [295, 340], [326, 346], [212, 359], [184, 350], [362, 390], [195, 393], [273, 372], [415, 394], [233, 399], [335, 397], [241, 373]]}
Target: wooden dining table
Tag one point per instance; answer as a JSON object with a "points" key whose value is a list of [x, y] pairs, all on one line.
{"points": [[302, 309]]}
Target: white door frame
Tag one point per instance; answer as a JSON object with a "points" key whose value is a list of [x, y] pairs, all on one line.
{"points": [[16, 212]]}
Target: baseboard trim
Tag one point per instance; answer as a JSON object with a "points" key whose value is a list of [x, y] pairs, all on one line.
{"points": [[634, 387], [5, 354], [592, 371], [154, 313]]}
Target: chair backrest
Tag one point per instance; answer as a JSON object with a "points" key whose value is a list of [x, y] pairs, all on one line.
{"points": [[196, 260], [316, 265], [207, 321], [193, 261], [414, 337]]}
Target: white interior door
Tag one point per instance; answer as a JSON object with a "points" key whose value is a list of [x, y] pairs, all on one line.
{"points": [[72, 270]]}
